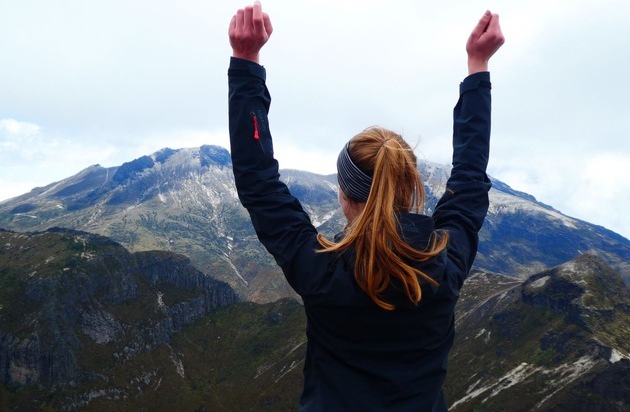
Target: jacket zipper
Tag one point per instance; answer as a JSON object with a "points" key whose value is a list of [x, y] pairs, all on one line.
{"points": [[257, 130], [256, 133]]}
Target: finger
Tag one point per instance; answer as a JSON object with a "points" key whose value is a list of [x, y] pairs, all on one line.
{"points": [[257, 16], [247, 18], [493, 24], [257, 9], [238, 24], [267, 21], [232, 26], [494, 31], [482, 25]]}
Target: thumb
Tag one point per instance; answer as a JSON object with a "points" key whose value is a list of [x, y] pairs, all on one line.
{"points": [[267, 22]]}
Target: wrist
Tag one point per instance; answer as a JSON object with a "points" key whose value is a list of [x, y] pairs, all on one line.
{"points": [[476, 66], [254, 57]]}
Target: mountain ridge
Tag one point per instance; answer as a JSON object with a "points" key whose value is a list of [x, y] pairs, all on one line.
{"points": [[185, 201], [540, 338]]}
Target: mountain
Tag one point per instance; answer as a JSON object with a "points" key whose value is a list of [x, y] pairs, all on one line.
{"points": [[85, 324], [75, 306], [185, 201], [556, 342]]}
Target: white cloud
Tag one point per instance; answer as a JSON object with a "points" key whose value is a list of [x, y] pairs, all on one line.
{"points": [[13, 128], [10, 188], [600, 196], [108, 81], [29, 157], [593, 187], [20, 142]]}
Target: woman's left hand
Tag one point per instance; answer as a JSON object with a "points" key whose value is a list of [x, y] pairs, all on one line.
{"points": [[250, 29]]}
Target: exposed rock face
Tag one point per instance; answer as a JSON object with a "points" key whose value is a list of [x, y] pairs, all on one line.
{"points": [[606, 390], [531, 346], [64, 291]]}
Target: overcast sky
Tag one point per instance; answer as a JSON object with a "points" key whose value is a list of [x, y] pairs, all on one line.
{"points": [[87, 82]]}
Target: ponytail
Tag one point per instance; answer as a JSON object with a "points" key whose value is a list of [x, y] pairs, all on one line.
{"points": [[382, 255]]}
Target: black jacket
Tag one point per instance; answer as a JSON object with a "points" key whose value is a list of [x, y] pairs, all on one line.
{"points": [[360, 357]]}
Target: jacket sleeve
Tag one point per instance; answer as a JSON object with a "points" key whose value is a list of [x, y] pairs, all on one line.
{"points": [[464, 205], [280, 222]]}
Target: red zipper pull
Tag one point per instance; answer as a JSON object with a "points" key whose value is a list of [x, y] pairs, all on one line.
{"points": [[256, 134]]}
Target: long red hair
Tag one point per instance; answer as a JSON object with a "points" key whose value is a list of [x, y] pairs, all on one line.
{"points": [[382, 255]]}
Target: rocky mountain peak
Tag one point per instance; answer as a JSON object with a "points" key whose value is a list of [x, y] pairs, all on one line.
{"points": [[185, 201], [586, 282], [562, 328]]}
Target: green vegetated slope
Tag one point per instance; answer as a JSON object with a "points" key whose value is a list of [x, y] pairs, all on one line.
{"points": [[86, 325]]}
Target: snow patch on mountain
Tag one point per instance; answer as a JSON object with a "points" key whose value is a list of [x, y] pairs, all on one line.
{"points": [[616, 356], [504, 203], [318, 221], [557, 378], [235, 269], [566, 373], [539, 283]]}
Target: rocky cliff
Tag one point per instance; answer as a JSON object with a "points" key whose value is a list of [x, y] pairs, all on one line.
{"points": [[70, 300], [533, 345]]}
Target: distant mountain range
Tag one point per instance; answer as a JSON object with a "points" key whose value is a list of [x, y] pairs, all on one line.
{"points": [[87, 325], [185, 201]]}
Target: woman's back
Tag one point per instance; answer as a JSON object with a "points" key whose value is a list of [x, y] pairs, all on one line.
{"points": [[362, 357], [380, 298]]}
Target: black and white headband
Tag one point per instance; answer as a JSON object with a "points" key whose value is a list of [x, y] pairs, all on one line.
{"points": [[352, 180]]}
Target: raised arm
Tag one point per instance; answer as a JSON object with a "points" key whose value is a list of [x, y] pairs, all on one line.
{"points": [[280, 222], [463, 207]]}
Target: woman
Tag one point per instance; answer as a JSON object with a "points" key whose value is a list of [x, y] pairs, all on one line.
{"points": [[380, 298]]}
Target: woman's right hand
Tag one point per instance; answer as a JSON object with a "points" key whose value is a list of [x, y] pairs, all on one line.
{"points": [[485, 39]]}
